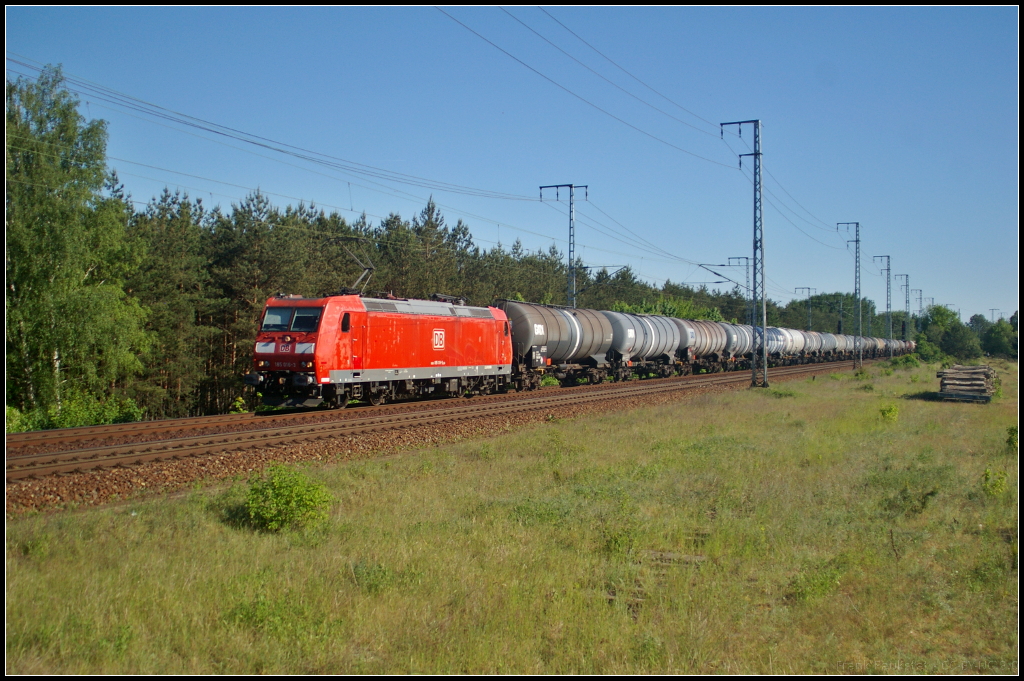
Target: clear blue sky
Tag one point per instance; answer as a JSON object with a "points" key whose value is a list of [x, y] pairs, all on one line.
{"points": [[905, 120]]}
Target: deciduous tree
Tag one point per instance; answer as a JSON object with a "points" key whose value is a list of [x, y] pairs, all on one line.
{"points": [[70, 324]]}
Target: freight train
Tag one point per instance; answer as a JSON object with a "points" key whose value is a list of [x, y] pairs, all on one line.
{"points": [[337, 349]]}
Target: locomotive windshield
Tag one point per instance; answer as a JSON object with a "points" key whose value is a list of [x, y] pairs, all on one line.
{"points": [[277, 318], [282, 319], [306, 318]]}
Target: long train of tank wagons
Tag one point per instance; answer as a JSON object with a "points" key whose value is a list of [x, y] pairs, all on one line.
{"points": [[347, 348]]}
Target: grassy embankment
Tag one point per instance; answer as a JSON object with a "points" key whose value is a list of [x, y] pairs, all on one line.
{"points": [[809, 527]]}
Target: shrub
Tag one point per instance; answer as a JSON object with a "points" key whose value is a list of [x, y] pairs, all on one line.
{"points": [[929, 352], [890, 413], [285, 497], [904, 362], [1011, 439], [993, 484], [14, 421], [76, 409]]}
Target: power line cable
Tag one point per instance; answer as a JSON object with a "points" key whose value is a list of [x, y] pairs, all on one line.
{"points": [[579, 97], [104, 93], [390, 189], [613, 63], [666, 98], [602, 77], [114, 97], [827, 228]]}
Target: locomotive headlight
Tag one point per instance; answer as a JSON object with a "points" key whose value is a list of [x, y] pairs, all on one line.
{"points": [[307, 365], [263, 363]]}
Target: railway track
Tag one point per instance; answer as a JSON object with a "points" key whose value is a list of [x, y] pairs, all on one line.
{"points": [[23, 461], [38, 442]]}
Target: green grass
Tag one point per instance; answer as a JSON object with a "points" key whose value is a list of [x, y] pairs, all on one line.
{"points": [[727, 533]]}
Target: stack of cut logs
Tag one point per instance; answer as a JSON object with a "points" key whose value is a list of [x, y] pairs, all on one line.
{"points": [[974, 384]]}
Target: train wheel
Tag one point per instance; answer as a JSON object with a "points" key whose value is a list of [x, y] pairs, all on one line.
{"points": [[333, 400], [377, 399]]}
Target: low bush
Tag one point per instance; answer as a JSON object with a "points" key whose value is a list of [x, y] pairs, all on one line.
{"points": [[286, 498], [993, 484], [904, 362], [75, 409]]}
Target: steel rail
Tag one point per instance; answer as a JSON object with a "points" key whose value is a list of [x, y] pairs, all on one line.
{"points": [[65, 435], [37, 465]]}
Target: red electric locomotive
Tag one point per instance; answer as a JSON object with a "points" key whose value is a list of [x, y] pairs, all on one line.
{"points": [[312, 351]]}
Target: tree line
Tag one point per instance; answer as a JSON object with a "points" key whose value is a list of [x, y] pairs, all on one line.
{"points": [[119, 310]]}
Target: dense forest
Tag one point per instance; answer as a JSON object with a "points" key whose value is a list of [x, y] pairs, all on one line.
{"points": [[120, 310]]}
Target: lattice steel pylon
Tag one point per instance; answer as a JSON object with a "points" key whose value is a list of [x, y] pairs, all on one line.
{"points": [[759, 361], [888, 296], [798, 289], [858, 340], [570, 295], [750, 300], [906, 320]]}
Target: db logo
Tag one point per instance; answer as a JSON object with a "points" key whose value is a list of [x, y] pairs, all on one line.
{"points": [[439, 339]]}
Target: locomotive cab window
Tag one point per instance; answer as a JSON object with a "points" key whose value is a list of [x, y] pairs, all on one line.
{"points": [[306, 319], [346, 323], [506, 328], [277, 318]]}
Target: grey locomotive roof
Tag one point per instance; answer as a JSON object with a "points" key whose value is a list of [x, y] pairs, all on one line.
{"points": [[429, 307]]}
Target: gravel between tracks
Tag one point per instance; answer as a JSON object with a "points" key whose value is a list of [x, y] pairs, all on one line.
{"points": [[92, 488]]}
